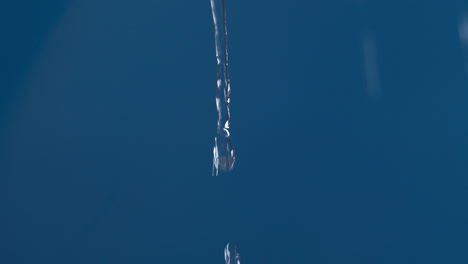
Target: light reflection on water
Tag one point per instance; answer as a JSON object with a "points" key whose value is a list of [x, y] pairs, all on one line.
{"points": [[223, 151]]}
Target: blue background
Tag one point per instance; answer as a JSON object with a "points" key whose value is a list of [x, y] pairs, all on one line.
{"points": [[107, 121]]}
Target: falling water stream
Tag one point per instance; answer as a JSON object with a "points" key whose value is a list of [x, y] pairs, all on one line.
{"points": [[231, 253], [223, 151]]}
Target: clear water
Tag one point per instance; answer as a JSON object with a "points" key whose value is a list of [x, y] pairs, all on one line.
{"points": [[231, 254], [223, 150]]}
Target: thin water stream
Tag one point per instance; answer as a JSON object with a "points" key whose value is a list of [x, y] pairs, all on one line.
{"points": [[223, 151], [231, 253]]}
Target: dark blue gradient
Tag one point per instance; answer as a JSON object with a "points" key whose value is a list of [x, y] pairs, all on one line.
{"points": [[107, 119]]}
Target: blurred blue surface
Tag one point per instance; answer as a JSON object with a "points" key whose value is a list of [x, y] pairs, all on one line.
{"points": [[107, 119]]}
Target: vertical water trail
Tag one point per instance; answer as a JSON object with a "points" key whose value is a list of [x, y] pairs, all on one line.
{"points": [[463, 34], [231, 254], [369, 49], [223, 151]]}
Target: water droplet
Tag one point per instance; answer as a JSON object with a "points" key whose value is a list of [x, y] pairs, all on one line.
{"points": [[224, 155], [231, 253]]}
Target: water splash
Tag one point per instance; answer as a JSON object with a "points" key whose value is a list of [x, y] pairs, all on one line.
{"points": [[231, 254], [223, 151]]}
